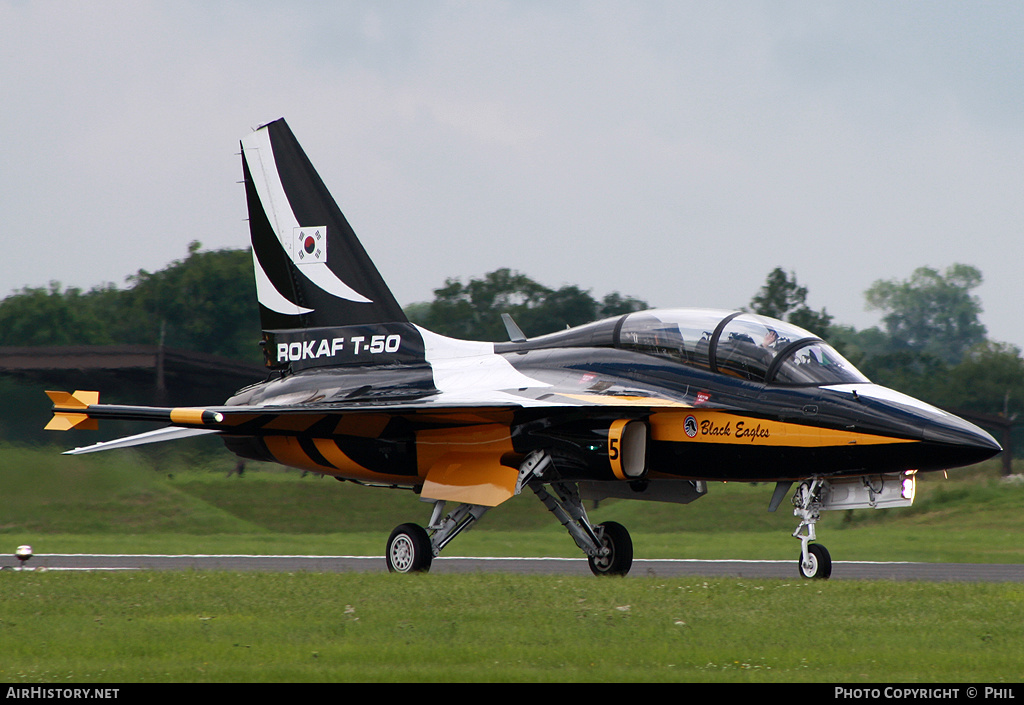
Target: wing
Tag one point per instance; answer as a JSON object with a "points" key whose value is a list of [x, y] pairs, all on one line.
{"points": [[457, 449]]}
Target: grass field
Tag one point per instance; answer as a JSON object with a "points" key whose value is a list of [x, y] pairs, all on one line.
{"points": [[206, 626], [178, 627]]}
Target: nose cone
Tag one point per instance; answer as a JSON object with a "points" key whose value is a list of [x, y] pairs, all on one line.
{"points": [[961, 441], [946, 440]]}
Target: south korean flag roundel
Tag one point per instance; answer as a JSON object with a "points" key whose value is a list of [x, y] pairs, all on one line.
{"points": [[309, 245]]}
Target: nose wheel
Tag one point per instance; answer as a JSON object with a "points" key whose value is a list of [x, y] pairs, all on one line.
{"points": [[817, 564]]}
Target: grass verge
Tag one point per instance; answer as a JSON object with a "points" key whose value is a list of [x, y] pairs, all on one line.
{"points": [[225, 627]]}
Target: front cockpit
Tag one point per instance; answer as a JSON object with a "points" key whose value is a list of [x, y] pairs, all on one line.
{"points": [[738, 344]]}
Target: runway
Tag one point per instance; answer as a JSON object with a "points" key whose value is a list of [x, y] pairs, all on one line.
{"points": [[841, 570]]}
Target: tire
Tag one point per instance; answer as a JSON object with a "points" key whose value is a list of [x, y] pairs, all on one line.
{"points": [[620, 559], [819, 566], [409, 550]]}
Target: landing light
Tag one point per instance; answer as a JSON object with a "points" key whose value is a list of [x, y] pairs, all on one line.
{"points": [[910, 485]]}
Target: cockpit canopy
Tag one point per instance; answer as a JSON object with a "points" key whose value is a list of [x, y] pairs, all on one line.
{"points": [[740, 344]]}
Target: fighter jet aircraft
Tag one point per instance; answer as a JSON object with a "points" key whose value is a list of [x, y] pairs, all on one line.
{"points": [[650, 406]]}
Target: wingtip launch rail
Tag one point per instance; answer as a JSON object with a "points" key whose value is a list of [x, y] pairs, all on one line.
{"points": [[82, 409]]}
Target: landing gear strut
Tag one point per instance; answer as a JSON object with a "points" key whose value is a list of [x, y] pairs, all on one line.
{"points": [[608, 546], [815, 561], [817, 494]]}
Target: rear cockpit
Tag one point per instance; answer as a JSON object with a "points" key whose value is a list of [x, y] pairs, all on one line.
{"points": [[737, 344]]}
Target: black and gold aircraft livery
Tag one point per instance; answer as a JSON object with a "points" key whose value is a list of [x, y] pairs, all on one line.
{"points": [[649, 406]]}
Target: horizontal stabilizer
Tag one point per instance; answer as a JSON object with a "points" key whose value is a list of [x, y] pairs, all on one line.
{"points": [[171, 433]]}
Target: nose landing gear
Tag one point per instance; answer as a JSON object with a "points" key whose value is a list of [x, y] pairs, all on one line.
{"points": [[815, 561], [817, 494]]}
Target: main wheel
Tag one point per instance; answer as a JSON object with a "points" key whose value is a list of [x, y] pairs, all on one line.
{"points": [[620, 555], [819, 562], [409, 550]]}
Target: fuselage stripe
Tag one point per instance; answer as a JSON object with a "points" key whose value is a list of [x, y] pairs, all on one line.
{"points": [[698, 426]]}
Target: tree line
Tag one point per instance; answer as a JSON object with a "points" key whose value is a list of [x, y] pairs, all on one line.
{"points": [[205, 302], [472, 311], [931, 343]]}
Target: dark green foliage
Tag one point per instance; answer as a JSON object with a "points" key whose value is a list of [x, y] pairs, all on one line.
{"points": [[989, 374], [472, 311], [49, 316], [932, 312], [909, 371], [781, 297], [205, 302]]}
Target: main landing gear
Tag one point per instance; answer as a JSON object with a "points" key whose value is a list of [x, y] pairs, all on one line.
{"points": [[411, 548], [608, 546]]}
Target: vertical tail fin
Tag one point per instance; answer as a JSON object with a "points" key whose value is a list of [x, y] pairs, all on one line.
{"points": [[313, 277], [311, 270]]}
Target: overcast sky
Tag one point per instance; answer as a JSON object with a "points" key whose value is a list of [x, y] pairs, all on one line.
{"points": [[673, 151]]}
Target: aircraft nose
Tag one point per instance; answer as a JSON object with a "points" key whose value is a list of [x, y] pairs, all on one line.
{"points": [[965, 443], [948, 441]]}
